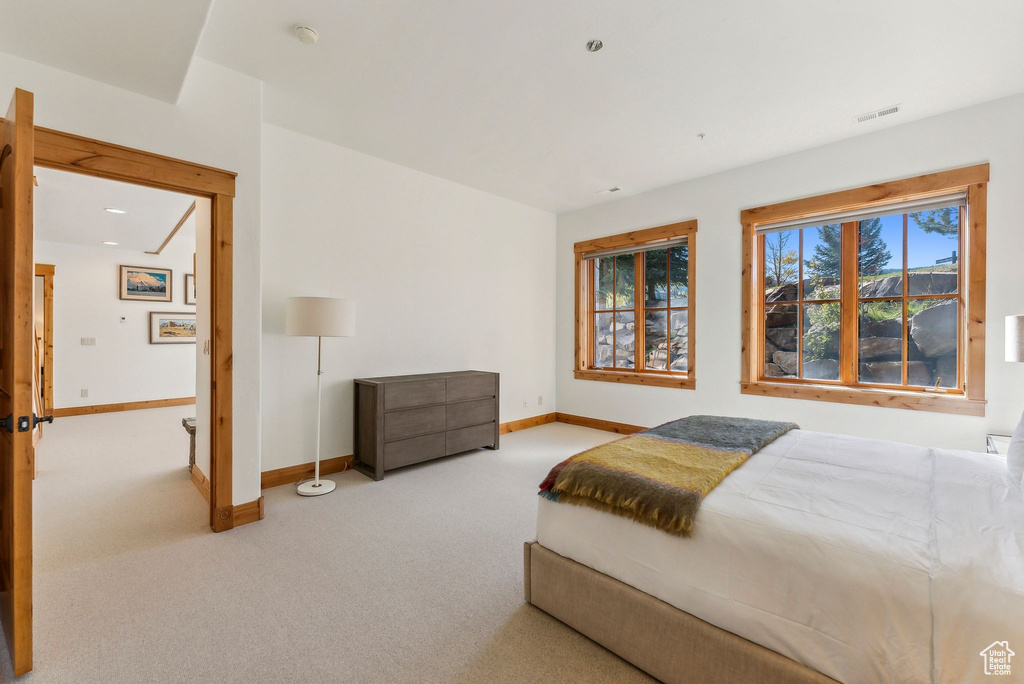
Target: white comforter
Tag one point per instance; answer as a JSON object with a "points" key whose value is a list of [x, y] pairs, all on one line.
{"points": [[869, 561]]}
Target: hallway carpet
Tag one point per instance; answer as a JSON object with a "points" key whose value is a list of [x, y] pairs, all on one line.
{"points": [[415, 578]]}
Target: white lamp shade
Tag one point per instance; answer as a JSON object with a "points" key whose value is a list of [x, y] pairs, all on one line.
{"points": [[320, 317], [1015, 338]]}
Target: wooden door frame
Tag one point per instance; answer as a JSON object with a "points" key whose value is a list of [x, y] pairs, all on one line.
{"points": [[68, 152], [46, 271]]}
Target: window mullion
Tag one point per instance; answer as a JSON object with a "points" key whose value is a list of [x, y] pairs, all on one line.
{"points": [[639, 325], [590, 306], [615, 313], [905, 333], [800, 305], [849, 305]]}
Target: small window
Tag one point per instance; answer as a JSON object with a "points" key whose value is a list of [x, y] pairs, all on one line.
{"points": [[634, 304], [868, 302]]}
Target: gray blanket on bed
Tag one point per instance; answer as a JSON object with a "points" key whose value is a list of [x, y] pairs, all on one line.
{"points": [[723, 432]]}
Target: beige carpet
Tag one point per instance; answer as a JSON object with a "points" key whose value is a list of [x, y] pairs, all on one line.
{"points": [[412, 579]]}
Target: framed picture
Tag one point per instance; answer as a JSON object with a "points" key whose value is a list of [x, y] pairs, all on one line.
{"points": [[172, 327], [190, 288], [141, 284]]}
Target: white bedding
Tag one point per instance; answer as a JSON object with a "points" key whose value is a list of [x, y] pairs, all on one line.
{"points": [[839, 552]]}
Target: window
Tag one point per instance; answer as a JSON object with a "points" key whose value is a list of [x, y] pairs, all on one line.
{"points": [[873, 296], [634, 307]]}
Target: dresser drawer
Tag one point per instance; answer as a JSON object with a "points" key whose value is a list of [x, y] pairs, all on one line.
{"points": [[413, 422], [468, 438], [408, 451], [465, 387], [416, 393], [467, 413]]}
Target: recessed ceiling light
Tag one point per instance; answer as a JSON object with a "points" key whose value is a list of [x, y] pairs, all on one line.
{"points": [[114, 211], [594, 45], [306, 34], [108, 242]]}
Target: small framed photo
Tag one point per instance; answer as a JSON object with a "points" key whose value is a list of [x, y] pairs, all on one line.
{"points": [[190, 288], [171, 327], [141, 284]]}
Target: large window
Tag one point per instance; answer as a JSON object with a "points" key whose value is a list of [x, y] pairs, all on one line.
{"points": [[634, 304], [878, 301]]}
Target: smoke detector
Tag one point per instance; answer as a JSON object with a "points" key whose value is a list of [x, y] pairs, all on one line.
{"points": [[878, 113], [306, 34]]}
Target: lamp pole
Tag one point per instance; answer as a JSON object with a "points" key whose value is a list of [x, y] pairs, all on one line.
{"points": [[319, 398]]}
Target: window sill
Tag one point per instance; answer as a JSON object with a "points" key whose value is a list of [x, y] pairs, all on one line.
{"points": [[913, 401], [652, 379]]}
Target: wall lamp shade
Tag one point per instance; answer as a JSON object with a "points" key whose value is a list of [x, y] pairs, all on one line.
{"points": [[1015, 338], [320, 317]]}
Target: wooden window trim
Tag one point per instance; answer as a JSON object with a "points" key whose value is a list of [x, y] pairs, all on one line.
{"points": [[974, 180], [583, 368]]}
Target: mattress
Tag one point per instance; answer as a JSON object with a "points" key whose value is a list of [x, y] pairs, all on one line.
{"points": [[869, 561]]}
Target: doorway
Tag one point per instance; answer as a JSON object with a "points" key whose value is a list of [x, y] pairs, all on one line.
{"points": [[22, 146], [68, 152]]}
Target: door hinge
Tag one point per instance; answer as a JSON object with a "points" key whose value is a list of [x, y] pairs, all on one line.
{"points": [[7, 423]]}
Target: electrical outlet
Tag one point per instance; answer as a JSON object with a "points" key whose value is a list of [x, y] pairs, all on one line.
{"points": [[85, 393], [124, 318], [540, 400], [524, 403], [88, 341]]}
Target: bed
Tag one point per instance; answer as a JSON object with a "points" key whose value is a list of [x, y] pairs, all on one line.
{"points": [[822, 556]]}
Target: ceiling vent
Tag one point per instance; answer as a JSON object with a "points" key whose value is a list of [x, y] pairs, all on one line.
{"points": [[877, 114]]}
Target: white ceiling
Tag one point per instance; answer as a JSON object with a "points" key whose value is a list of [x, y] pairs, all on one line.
{"points": [[69, 207], [502, 96], [145, 47]]}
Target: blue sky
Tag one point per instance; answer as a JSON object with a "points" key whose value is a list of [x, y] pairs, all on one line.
{"points": [[924, 248]]}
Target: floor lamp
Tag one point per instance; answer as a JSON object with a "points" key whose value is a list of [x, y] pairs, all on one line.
{"points": [[319, 317]]}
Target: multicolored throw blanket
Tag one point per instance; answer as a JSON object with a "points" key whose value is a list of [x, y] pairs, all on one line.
{"points": [[659, 477]]}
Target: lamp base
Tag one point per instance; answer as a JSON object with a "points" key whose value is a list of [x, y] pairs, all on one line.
{"points": [[311, 488]]}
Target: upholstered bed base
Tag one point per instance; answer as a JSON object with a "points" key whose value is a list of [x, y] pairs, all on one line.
{"points": [[660, 639]]}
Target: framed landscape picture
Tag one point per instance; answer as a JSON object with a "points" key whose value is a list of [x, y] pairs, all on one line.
{"points": [[141, 284], [190, 288], [172, 327]]}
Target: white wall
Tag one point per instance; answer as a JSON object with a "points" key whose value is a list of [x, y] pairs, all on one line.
{"points": [[123, 365], [444, 278], [204, 333], [215, 122], [992, 132]]}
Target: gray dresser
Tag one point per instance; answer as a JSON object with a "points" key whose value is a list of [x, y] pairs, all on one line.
{"points": [[408, 419]]}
